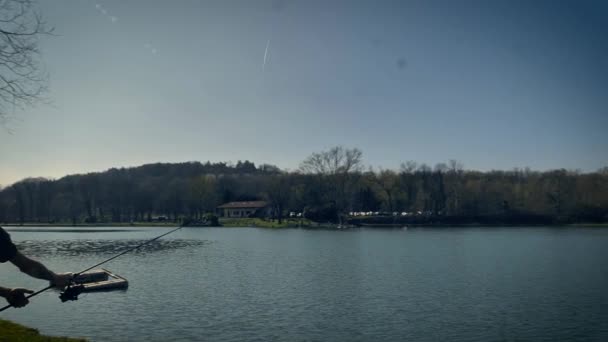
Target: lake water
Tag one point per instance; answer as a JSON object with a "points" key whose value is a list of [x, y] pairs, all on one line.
{"points": [[248, 284]]}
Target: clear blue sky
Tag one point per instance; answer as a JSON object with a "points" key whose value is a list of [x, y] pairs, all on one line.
{"points": [[494, 84]]}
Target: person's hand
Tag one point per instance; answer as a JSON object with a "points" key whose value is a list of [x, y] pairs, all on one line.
{"points": [[61, 280], [16, 297]]}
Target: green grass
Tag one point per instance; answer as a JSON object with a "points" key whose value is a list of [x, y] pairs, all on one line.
{"points": [[257, 222], [14, 332]]}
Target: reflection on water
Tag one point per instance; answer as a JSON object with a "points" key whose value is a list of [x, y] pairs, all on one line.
{"points": [[72, 248]]}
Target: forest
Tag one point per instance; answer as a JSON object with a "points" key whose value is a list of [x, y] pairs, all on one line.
{"points": [[329, 186]]}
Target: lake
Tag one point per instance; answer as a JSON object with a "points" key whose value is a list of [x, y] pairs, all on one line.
{"points": [[248, 284]]}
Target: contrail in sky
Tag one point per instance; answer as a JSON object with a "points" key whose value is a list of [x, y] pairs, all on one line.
{"points": [[265, 55]]}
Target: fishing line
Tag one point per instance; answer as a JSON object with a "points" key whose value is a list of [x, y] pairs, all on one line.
{"points": [[71, 296]]}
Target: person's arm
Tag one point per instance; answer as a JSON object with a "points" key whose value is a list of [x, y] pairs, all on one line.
{"points": [[38, 270]]}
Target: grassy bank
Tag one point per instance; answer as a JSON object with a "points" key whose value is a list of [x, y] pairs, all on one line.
{"points": [[257, 222], [14, 332]]}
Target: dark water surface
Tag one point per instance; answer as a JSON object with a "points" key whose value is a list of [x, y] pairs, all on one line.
{"points": [[233, 284]]}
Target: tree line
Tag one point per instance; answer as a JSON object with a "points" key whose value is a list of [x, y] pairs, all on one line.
{"points": [[329, 186]]}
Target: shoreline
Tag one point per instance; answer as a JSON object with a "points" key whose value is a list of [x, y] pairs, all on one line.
{"points": [[246, 223], [12, 331]]}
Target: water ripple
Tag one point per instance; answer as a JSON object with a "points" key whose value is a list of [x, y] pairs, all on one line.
{"points": [[75, 248]]}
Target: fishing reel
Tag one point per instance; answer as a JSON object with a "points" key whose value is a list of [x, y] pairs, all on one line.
{"points": [[71, 292]]}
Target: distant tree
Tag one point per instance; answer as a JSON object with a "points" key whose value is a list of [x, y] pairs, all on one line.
{"points": [[45, 198], [409, 166], [388, 183], [226, 189], [308, 192], [22, 78], [278, 193], [409, 184], [268, 168], [455, 166], [559, 186], [441, 167], [325, 191], [145, 197], [453, 179], [20, 202], [438, 195], [89, 191], [366, 199], [205, 194], [336, 169], [245, 167], [335, 161]]}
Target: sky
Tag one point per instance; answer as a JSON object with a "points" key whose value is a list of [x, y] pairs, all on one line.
{"points": [[493, 84]]}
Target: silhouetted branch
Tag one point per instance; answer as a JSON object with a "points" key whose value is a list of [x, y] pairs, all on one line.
{"points": [[22, 78]]}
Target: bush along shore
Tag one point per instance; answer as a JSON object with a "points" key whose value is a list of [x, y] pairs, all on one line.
{"points": [[14, 332]]}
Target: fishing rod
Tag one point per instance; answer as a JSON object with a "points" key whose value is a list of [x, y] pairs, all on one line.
{"points": [[72, 290]]}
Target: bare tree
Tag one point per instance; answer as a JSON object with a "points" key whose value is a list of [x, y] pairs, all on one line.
{"points": [[337, 160], [455, 166], [336, 169], [409, 167], [22, 78]]}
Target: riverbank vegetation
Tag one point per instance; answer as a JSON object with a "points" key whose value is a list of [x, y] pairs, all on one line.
{"points": [[14, 332], [330, 186], [265, 223]]}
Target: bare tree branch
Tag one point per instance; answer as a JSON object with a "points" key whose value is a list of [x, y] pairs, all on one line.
{"points": [[337, 160], [23, 80]]}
